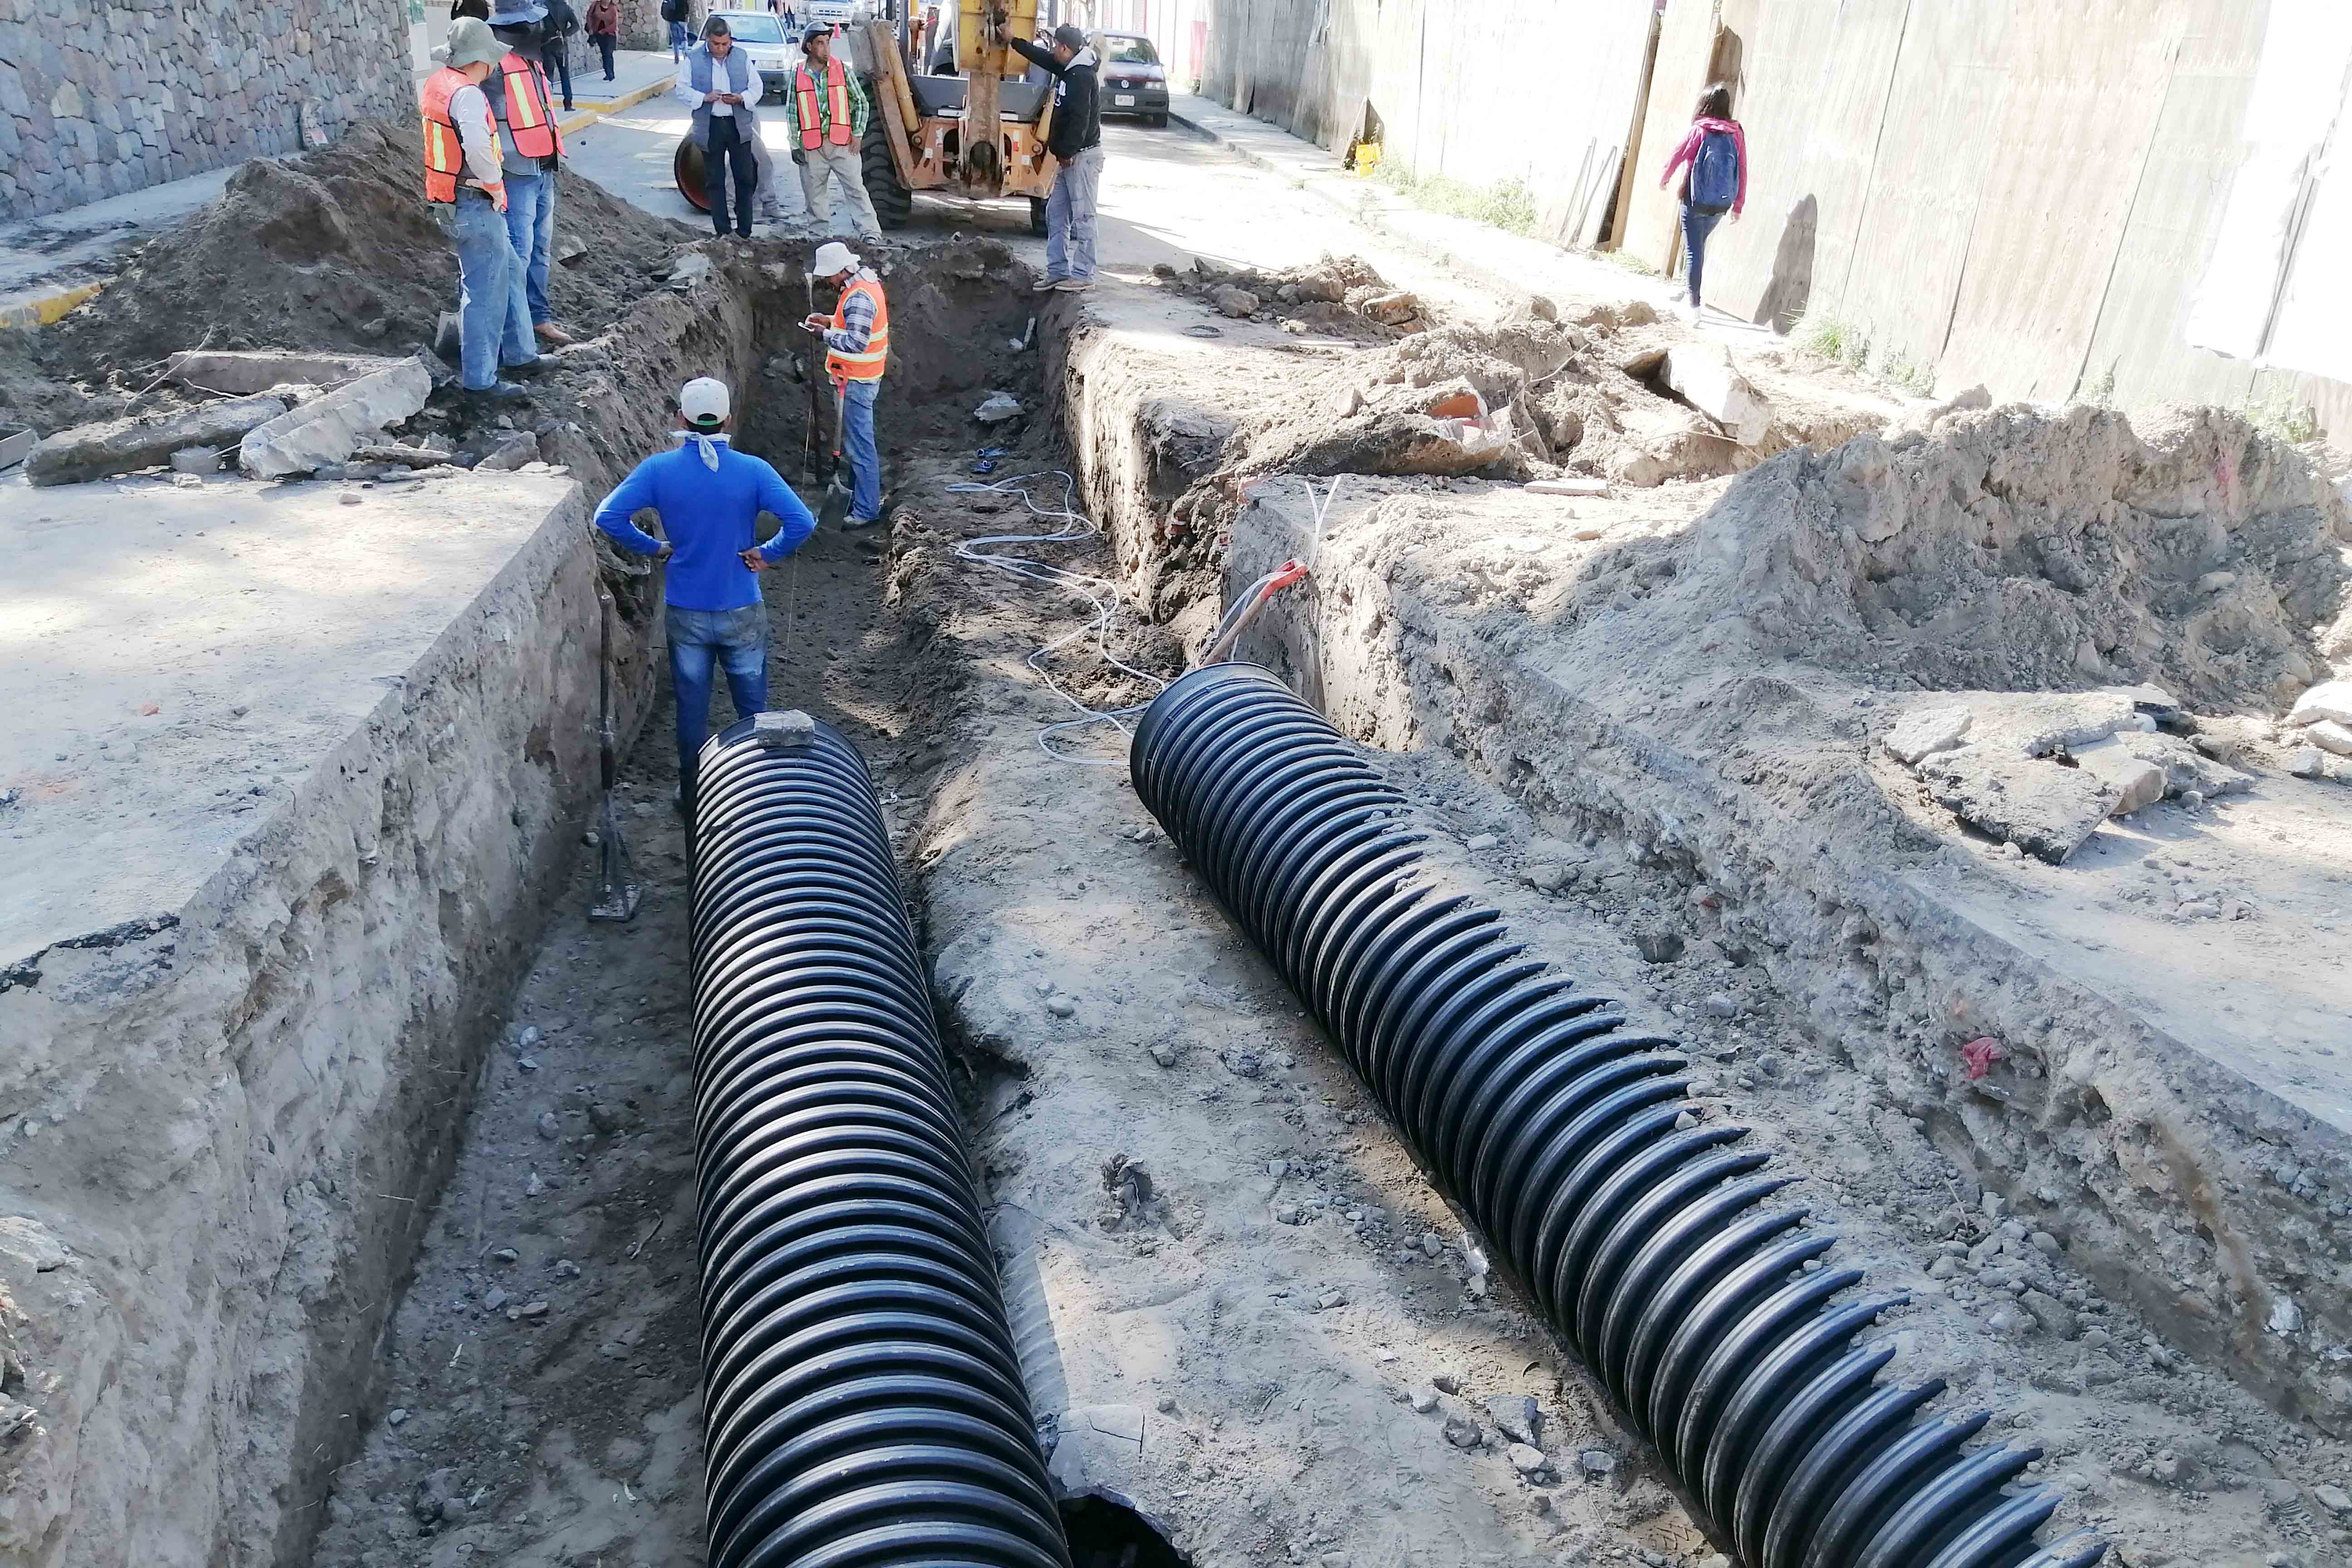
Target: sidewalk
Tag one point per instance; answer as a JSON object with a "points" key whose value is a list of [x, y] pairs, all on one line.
{"points": [[1512, 264], [50, 264]]}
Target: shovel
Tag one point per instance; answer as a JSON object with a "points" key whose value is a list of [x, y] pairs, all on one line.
{"points": [[617, 896]]}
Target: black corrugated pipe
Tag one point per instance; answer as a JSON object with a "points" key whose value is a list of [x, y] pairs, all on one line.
{"points": [[862, 1401], [1661, 1256]]}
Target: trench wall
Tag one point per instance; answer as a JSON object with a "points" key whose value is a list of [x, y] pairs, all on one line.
{"points": [[98, 97], [2031, 197], [2161, 1165]]}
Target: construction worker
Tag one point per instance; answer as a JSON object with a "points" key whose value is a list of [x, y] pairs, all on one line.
{"points": [[709, 496], [828, 112], [533, 145], [857, 345], [463, 172], [1076, 141], [721, 87]]}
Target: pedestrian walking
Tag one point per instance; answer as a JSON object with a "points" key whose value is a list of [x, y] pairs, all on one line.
{"points": [[604, 30], [857, 349], [1715, 150], [1075, 142], [722, 85], [555, 49], [708, 496], [674, 13], [532, 143], [828, 111], [464, 172]]}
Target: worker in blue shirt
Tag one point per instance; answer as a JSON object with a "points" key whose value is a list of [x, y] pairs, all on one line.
{"points": [[708, 495]]}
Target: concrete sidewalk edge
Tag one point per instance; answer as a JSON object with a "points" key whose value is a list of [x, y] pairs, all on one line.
{"points": [[1370, 212]]}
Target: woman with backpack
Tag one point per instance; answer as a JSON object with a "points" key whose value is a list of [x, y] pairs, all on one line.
{"points": [[1717, 151]]}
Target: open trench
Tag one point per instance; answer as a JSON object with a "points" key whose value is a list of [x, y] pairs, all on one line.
{"points": [[1252, 1326]]}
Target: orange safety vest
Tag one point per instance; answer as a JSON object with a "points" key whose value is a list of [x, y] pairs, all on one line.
{"points": [[836, 100], [866, 366], [445, 155], [531, 118]]}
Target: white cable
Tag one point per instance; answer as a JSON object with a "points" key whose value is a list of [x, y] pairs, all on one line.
{"points": [[1322, 510], [1099, 593]]}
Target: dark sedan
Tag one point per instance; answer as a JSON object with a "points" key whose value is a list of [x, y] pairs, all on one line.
{"points": [[1133, 79]]}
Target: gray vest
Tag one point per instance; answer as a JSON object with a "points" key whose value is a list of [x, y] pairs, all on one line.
{"points": [[738, 66]]}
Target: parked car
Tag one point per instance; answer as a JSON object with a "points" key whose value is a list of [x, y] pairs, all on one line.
{"points": [[1133, 79], [830, 13], [771, 50]]}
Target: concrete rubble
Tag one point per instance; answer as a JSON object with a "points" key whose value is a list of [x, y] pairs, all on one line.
{"points": [[327, 429], [237, 372], [1702, 375], [124, 446]]}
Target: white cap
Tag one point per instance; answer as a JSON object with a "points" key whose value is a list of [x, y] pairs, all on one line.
{"points": [[703, 400], [833, 258]]}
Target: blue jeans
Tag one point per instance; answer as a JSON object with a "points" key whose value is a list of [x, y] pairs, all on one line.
{"points": [[678, 41], [734, 640], [531, 225], [1070, 217], [857, 440], [1696, 226], [495, 323]]}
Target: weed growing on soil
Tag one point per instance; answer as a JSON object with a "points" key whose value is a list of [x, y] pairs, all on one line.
{"points": [[2101, 393], [1833, 338], [1630, 262], [2279, 416], [1914, 377], [1507, 203]]}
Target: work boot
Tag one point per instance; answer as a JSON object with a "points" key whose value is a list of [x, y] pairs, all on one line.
{"points": [[1047, 285], [552, 335], [1074, 285], [498, 395], [526, 370]]}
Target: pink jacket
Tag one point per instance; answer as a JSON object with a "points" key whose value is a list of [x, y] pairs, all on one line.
{"points": [[1689, 150]]}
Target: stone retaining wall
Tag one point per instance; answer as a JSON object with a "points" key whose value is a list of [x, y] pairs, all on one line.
{"points": [[99, 98]]}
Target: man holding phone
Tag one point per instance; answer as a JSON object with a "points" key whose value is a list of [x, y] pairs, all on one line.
{"points": [[722, 86]]}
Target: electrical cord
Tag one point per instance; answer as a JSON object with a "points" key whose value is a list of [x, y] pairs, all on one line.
{"points": [[1100, 594]]}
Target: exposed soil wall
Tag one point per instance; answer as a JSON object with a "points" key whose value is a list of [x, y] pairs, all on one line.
{"points": [[1706, 694]]}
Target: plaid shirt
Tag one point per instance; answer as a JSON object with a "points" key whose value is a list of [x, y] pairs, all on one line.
{"points": [[857, 106], [857, 329]]}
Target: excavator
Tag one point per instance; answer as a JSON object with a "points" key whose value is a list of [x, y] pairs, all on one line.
{"points": [[932, 81]]}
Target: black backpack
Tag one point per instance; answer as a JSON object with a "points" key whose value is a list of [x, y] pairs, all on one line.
{"points": [[673, 10]]}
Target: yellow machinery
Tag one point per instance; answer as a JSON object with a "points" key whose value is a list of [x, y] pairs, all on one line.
{"points": [[928, 117]]}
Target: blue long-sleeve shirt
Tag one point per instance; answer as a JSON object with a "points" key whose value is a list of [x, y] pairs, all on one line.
{"points": [[707, 514]]}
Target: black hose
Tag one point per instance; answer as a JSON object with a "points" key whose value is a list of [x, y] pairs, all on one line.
{"points": [[862, 1400], [1660, 1253]]}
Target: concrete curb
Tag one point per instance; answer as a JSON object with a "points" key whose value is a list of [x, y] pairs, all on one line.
{"points": [[573, 123], [46, 308]]}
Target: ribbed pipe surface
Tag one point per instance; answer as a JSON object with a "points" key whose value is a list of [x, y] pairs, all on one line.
{"points": [[1666, 1258], [862, 1401]]}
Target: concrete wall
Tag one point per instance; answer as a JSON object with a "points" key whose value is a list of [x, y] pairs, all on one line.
{"points": [[101, 97], [1541, 91], [2025, 195]]}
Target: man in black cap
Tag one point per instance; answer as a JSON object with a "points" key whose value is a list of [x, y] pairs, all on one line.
{"points": [[1076, 141]]}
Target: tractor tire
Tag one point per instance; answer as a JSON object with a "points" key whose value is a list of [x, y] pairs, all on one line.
{"points": [[893, 203], [1037, 215]]}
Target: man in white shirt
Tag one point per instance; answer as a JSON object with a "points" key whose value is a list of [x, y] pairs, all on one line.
{"points": [[722, 86]]}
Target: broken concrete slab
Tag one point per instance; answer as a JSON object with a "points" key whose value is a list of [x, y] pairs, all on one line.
{"points": [[2328, 700], [1932, 730], [1238, 303], [121, 446], [2331, 736], [328, 429], [2043, 808], [513, 450], [1099, 1448], [16, 443], [1703, 376], [242, 372], [197, 460], [393, 452], [2186, 767], [2136, 782], [1567, 486]]}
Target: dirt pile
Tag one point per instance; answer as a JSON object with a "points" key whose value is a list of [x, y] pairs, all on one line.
{"points": [[2015, 550], [334, 250], [1341, 295]]}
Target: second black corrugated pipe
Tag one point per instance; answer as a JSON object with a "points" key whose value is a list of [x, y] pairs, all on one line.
{"points": [[1659, 1253], [862, 1401]]}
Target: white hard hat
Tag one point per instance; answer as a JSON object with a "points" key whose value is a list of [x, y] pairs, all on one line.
{"points": [[833, 258], [703, 401]]}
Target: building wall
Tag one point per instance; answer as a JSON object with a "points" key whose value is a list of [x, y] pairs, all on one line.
{"points": [[102, 97], [2027, 194]]}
